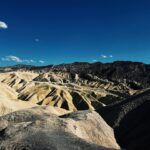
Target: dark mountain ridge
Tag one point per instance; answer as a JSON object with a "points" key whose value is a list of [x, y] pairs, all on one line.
{"points": [[135, 74]]}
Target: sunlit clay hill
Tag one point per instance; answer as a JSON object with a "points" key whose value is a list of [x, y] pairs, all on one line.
{"points": [[77, 106]]}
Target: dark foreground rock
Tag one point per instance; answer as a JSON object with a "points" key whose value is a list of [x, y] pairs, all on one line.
{"points": [[38, 128], [130, 120]]}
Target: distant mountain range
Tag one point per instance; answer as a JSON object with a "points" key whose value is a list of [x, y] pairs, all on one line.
{"points": [[135, 73]]}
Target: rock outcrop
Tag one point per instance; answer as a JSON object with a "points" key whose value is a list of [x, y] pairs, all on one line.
{"points": [[130, 121], [39, 128]]}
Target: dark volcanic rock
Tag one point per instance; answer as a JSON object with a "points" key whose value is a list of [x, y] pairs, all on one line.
{"points": [[117, 71], [130, 120]]}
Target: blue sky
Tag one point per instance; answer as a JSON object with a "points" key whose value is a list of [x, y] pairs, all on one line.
{"points": [[41, 32]]}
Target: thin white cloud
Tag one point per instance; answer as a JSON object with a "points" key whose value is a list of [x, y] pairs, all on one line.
{"points": [[29, 61], [12, 58], [104, 56], [95, 60], [41, 61], [17, 59], [107, 56], [3, 25]]}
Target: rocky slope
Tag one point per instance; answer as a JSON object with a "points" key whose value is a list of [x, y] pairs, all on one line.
{"points": [[39, 128], [130, 121], [63, 89]]}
